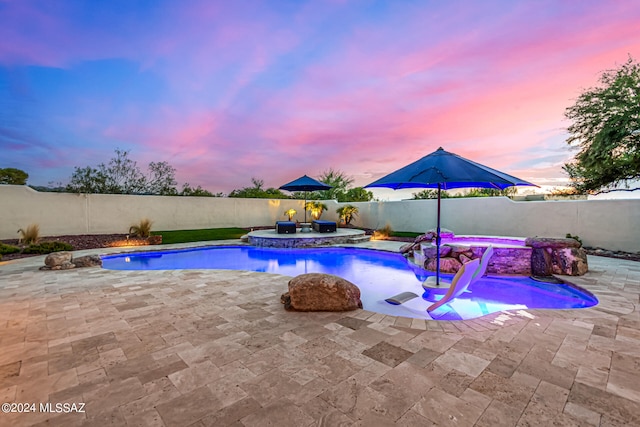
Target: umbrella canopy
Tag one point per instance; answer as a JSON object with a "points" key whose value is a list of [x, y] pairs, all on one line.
{"points": [[444, 171], [305, 183]]}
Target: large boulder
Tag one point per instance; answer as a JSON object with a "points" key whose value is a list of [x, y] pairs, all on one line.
{"points": [[59, 261], [444, 233], [408, 248], [430, 251], [447, 265], [87, 261], [570, 261], [321, 292], [557, 256], [457, 250], [550, 242], [426, 237]]}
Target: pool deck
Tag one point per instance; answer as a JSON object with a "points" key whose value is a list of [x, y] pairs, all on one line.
{"points": [[213, 348]]}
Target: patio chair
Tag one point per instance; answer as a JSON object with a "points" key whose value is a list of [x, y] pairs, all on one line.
{"points": [[429, 284], [285, 227], [459, 284], [324, 226]]}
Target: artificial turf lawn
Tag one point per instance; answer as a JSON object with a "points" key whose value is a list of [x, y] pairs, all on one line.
{"points": [[185, 236], [404, 234]]}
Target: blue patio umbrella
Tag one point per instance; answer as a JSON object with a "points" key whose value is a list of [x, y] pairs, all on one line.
{"points": [[445, 171], [305, 183]]}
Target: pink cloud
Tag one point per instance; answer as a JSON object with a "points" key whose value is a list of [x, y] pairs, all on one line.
{"points": [[254, 91]]}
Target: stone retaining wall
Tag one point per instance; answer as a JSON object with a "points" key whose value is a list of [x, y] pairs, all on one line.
{"points": [[505, 260]]}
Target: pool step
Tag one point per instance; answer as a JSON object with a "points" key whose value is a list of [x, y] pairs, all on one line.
{"points": [[359, 239]]}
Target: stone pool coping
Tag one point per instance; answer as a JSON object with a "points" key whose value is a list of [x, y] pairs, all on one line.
{"points": [[216, 347], [271, 239]]}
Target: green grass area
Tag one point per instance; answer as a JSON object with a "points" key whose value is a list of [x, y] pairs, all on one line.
{"points": [[185, 236], [405, 234]]}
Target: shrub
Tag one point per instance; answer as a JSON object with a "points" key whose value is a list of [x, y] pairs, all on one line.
{"points": [[382, 233], [142, 229], [290, 213], [569, 236], [347, 213], [8, 249], [30, 236], [316, 209], [47, 248]]}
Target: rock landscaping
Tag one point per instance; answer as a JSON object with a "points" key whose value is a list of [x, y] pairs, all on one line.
{"points": [[65, 261], [540, 256], [321, 292]]}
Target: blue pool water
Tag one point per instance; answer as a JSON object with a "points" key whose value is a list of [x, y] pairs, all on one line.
{"points": [[378, 274]]}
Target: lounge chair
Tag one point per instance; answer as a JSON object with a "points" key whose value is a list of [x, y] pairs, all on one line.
{"points": [[478, 269], [324, 226], [285, 227], [429, 284], [459, 284]]}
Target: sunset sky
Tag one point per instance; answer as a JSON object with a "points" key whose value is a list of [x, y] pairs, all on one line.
{"points": [[229, 90]]}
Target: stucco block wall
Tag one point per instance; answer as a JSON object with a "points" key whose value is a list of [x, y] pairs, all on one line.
{"points": [[610, 224]]}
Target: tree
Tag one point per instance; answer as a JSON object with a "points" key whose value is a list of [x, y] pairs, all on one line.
{"points": [[606, 130], [430, 194], [339, 182], [123, 176], [13, 176], [489, 192], [472, 192], [357, 194], [257, 192], [187, 190], [347, 213], [316, 208], [88, 180], [340, 191], [162, 179]]}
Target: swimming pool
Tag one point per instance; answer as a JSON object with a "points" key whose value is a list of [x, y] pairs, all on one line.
{"points": [[378, 274]]}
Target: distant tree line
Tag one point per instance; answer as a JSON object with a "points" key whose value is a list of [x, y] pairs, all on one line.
{"points": [[122, 175], [341, 190], [472, 192]]}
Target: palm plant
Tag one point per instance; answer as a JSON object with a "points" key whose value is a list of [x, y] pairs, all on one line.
{"points": [[142, 229], [347, 213], [290, 213], [316, 209]]}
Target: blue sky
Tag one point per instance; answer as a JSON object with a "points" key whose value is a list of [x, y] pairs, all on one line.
{"points": [[226, 91]]}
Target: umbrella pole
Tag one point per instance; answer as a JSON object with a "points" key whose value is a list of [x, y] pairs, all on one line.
{"points": [[438, 241], [305, 206]]}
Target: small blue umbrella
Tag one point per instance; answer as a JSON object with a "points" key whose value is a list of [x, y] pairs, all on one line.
{"points": [[305, 183], [445, 171]]}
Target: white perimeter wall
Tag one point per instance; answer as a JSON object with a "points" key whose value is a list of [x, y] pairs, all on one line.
{"points": [[610, 224]]}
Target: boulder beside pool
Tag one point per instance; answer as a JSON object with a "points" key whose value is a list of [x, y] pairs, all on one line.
{"points": [[66, 261], [321, 292]]}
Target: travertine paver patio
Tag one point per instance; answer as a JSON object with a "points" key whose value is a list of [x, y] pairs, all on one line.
{"points": [[214, 348]]}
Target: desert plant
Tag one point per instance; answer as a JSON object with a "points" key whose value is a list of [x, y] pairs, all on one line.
{"points": [[142, 229], [382, 233], [47, 248], [316, 209], [347, 213], [569, 236], [8, 249], [290, 213], [31, 235]]}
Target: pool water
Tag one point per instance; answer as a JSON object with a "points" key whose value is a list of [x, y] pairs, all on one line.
{"points": [[378, 274]]}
